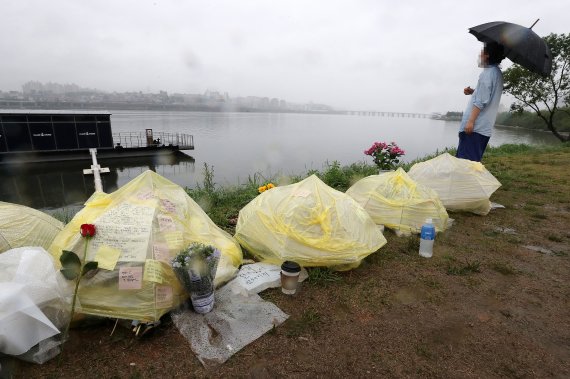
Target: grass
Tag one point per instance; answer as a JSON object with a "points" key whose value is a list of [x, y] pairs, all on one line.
{"points": [[504, 268], [424, 351], [64, 215], [307, 323], [432, 283], [323, 276], [449, 150], [464, 268], [539, 215], [412, 245]]}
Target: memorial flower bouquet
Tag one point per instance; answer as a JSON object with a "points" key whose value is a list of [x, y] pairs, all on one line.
{"points": [[195, 267], [266, 187], [386, 156]]}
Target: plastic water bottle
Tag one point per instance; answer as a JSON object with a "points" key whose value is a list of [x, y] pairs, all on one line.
{"points": [[427, 237]]}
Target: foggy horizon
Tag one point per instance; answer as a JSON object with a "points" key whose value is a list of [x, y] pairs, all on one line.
{"points": [[361, 55]]}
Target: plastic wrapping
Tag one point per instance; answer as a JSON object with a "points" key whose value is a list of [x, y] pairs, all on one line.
{"points": [[309, 223], [398, 202], [140, 228], [35, 304], [235, 322], [462, 185], [23, 226]]}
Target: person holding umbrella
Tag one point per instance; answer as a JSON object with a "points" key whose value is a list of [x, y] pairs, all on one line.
{"points": [[479, 118], [502, 39]]}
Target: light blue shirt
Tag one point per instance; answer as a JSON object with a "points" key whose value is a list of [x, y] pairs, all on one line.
{"points": [[487, 97]]}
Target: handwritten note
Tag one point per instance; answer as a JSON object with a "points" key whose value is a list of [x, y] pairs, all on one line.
{"points": [[145, 195], [253, 274], [174, 240], [165, 223], [126, 227], [107, 257], [168, 205], [130, 278], [161, 252], [163, 296], [153, 271]]}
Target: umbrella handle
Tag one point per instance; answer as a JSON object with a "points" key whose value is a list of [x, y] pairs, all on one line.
{"points": [[534, 23]]}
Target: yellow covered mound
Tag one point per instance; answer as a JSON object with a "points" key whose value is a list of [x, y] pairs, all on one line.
{"points": [[309, 223], [140, 228], [23, 226], [395, 200], [462, 185]]}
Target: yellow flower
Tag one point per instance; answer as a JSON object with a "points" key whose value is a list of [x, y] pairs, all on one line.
{"points": [[270, 185], [262, 189]]}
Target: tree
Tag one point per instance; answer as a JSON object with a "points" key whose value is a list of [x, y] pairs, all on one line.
{"points": [[545, 96]]}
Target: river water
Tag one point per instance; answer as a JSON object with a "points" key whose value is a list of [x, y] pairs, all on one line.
{"points": [[239, 145]]}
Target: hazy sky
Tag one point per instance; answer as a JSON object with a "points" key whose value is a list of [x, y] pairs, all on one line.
{"points": [[355, 54]]}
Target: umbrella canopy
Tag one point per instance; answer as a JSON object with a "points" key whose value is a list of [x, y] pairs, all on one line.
{"points": [[24, 226], [521, 44]]}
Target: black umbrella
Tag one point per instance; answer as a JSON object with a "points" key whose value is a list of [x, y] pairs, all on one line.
{"points": [[521, 44]]}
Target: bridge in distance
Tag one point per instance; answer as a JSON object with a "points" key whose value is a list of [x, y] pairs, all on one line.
{"points": [[390, 114]]}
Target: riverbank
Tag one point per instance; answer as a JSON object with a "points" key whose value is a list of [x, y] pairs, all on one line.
{"points": [[525, 120], [563, 133], [492, 302]]}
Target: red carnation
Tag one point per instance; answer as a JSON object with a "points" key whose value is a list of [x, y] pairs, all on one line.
{"points": [[87, 230]]}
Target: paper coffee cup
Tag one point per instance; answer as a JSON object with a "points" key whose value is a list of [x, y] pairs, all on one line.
{"points": [[289, 277]]}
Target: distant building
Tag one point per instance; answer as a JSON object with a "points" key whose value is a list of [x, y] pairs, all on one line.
{"points": [[36, 94], [274, 104]]}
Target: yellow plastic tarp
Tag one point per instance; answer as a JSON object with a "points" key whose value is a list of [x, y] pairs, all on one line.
{"points": [[462, 185], [140, 228], [310, 223], [398, 202], [23, 226]]}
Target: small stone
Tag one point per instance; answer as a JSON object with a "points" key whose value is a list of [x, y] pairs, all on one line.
{"points": [[483, 317], [505, 230], [539, 249], [132, 364], [506, 313]]}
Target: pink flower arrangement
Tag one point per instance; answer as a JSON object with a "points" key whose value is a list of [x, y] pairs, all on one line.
{"points": [[386, 156]]}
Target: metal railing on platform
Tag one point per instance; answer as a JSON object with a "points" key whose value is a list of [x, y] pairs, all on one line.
{"points": [[135, 139]]}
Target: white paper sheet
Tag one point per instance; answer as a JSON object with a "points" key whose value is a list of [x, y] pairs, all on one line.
{"points": [[257, 277], [127, 228]]}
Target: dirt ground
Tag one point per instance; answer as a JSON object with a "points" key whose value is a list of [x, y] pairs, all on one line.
{"points": [[484, 306]]}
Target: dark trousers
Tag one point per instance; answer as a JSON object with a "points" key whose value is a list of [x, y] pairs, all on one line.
{"points": [[472, 146]]}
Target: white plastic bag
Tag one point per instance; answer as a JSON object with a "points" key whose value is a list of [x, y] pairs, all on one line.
{"points": [[462, 185], [34, 302]]}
